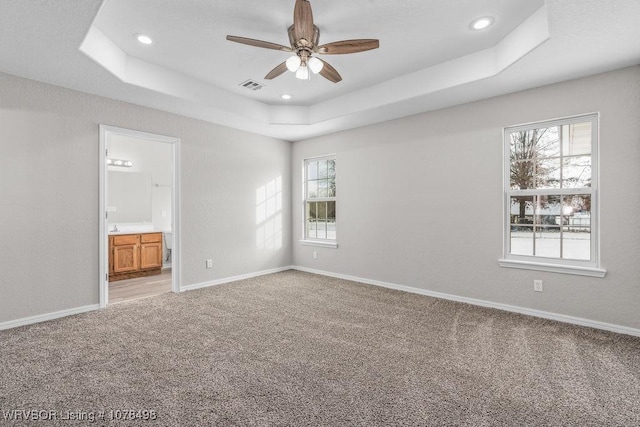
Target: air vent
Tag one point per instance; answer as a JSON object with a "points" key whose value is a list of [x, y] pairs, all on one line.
{"points": [[252, 85]]}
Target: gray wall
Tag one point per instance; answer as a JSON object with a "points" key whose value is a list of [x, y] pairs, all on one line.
{"points": [[419, 200], [49, 140]]}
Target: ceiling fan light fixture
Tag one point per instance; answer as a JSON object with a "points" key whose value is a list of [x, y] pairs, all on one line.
{"points": [[303, 73], [293, 63], [315, 65], [304, 40]]}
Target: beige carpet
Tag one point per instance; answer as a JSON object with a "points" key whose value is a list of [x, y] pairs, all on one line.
{"points": [[299, 349]]}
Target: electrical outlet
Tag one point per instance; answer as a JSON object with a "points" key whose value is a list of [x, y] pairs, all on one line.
{"points": [[209, 263], [537, 285], [315, 255]]}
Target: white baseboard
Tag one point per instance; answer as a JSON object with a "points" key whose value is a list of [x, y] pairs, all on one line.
{"points": [[48, 316], [482, 303], [233, 279]]}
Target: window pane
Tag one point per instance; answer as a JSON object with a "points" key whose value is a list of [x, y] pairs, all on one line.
{"points": [[548, 173], [522, 175], [534, 143], [312, 189], [323, 189], [322, 211], [548, 144], [311, 219], [576, 139], [321, 229], [576, 172], [547, 242], [311, 229], [331, 230], [321, 224], [311, 210], [322, 169], [576, 243], [331, 220], [548, 212], [577, 231], [522, 240], [312, 170], [521, 213], [331, 211], [547, 231], [578, 205], [520, 145], [548, 207], [332, 168], [517, 146], [522, 210]]}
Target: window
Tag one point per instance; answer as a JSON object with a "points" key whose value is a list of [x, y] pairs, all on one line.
{"points": [[551, 196], [320, 201]]}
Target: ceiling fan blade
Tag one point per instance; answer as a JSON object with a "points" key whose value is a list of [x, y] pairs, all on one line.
{"points": [[303, 20], [348, 46], [276, 71], [258, 43], [329, 73]]}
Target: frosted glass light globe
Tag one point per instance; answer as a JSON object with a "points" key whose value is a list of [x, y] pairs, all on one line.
{"points": [[302, 73], [293, 63], [315, 65]]}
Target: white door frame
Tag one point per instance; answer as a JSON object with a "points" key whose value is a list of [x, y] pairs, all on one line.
{"points": [[105, 131]]}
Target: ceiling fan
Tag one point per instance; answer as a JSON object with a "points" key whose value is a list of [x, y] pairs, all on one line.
{"points": [[304, 37]]}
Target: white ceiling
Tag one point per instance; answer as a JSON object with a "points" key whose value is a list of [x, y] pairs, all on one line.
{"points": [[428, 57]]}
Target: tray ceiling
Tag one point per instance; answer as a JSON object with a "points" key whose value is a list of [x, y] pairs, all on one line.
{"points": [[428, 58]]}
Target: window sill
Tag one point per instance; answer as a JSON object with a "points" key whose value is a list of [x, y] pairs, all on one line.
{"points": [[553, 268], [327, 244]]}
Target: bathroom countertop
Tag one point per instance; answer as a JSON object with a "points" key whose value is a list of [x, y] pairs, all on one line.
{"points": [[120, 232]]}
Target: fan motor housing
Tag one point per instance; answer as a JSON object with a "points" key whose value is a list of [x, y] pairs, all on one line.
{"points": [[311, 44]]}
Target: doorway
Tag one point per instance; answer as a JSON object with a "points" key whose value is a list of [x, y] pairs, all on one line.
{"points": [[139, 214]]}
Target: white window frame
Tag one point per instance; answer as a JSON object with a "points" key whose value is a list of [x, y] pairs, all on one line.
{"points": [[306, 240], [558, 265]]}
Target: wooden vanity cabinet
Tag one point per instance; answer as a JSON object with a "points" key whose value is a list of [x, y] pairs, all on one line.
{"points": [[125, 253], [150, 251], [134, 255]]}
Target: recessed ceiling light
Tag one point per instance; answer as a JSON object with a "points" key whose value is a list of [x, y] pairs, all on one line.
{"points": [[482, 23], [286, 96], [143, 38]]}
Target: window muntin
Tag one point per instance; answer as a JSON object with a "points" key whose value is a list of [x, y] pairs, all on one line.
{"points": [[320, 198], [550, 192]]}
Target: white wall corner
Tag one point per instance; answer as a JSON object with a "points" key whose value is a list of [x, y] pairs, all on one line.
{"points": [[234, 278]]}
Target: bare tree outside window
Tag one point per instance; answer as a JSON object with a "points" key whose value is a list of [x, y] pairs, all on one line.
{"points": [[529, 148]]}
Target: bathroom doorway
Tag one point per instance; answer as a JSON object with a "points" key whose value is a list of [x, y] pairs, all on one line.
{"points": [[139, 215]]}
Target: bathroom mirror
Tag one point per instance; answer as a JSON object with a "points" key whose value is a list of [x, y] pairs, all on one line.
{"points": [[129, 197]]}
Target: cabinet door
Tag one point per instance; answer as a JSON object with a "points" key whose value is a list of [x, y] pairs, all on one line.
{"points": [[151, 255], [125, 258]]}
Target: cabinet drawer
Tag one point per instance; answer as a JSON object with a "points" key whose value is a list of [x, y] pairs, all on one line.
{"points": [[151, 237], [126, 239]]}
